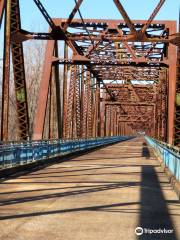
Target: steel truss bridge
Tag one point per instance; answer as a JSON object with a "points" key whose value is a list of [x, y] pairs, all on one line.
{"points": [[113, 81]]}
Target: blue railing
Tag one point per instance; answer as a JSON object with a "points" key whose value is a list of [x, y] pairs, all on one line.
{"points": [[15, 154], [170, 156]]}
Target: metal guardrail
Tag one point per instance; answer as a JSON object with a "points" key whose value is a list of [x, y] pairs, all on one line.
{"points": [[169, 155], [15, 154]]}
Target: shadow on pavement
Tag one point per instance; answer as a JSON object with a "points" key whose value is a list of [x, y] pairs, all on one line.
{"points": [[154, 213]]}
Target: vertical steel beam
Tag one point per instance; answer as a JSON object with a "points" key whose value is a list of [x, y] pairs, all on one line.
{"points": [[177, 112], [98, 105], [104, 122], [65, 75], [89, 105], [51, 109], [102, 114], [43, 92], [58, 95], [107, 121], [172, 58], [164, 106], [159, 106], [112, 120], [82, 100], [70, 106], [78, 103], [6, 73], [85, 105], [19, 74]]}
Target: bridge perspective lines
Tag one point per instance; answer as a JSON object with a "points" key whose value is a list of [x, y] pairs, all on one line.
{"points": [[103, 194]]}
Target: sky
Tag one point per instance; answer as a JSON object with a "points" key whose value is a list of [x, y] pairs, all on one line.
{"points": [[136, 9]]}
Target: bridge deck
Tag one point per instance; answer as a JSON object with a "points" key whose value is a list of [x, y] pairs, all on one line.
{"points": [[104, 195]]}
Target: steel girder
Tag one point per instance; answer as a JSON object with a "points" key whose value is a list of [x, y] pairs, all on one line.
{"points": [[19, 74], [177, 112], [43, 93], [108, 37], [142, 105], [114, 53], [6, 74], [12, 26]]}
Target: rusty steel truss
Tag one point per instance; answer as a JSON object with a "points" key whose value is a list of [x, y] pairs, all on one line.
{"points": [[119, 76]]}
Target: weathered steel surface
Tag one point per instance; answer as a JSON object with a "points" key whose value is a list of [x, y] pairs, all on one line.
{"points": [[58, 96], [172, 55], [177, 105], [19, 73], [12, 26], [6, 73], [65, 72], [116, 78], [43, 93]]}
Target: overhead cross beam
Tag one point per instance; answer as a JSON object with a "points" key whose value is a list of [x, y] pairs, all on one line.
{"points": [[139, 62], [106, 38]]}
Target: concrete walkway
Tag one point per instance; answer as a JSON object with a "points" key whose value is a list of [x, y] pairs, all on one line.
{"points": [[103, 195]]}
